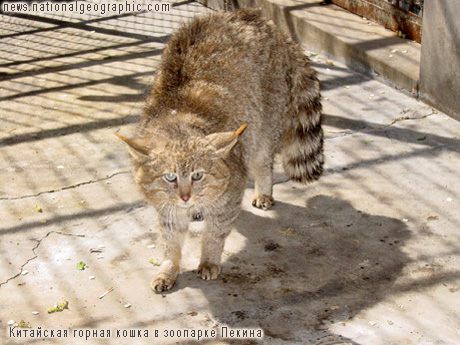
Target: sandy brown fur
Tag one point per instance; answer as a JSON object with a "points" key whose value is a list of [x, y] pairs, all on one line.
{"points": [[217, 73]]}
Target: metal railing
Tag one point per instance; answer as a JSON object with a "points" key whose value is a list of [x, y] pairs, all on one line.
{"points": [[401, 16], [414, 6]]}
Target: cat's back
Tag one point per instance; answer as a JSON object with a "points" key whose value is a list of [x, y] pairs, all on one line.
{"points": [[222, 61], [221, 47], [221, 32]]}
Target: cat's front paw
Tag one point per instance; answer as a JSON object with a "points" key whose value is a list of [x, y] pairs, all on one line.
{"points": [[208, 271], [263, 201], [163, 282]]}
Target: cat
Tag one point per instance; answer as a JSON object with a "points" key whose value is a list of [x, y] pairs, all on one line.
{"points": [[230, 92]]}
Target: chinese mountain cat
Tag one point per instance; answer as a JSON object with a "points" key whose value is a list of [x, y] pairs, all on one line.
{"points": [[230, 92]]}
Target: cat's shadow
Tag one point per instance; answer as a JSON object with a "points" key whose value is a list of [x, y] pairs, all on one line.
{"points": [[305, 268]]}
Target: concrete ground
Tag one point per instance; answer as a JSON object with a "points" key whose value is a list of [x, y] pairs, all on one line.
{"points": [[367, 255]]}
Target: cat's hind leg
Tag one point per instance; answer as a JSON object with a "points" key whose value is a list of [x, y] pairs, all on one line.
{"points": [[262, 172]]}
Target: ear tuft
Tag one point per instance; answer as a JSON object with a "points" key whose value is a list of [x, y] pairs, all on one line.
{"points": [[138, 147], [224, 141], [241, 129]]}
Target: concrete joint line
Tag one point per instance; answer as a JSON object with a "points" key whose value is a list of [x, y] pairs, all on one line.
{"points": [[399, 119], [409, 117], [39, 241], [64, 188], [346, 133]]}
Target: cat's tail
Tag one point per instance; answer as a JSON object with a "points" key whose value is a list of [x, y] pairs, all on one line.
{"points": [[302, 141]]}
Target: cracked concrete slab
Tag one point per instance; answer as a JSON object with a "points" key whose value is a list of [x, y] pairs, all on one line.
{"points": [[367, 255]]}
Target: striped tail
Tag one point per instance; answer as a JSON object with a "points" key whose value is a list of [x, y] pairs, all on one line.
{"points": [[302, 143]]}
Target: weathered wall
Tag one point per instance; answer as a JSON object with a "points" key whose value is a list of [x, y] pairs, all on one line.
{"points": [[440, 65]]}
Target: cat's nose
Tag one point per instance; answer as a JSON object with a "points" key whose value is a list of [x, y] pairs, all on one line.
{"points": [[185, 197]]}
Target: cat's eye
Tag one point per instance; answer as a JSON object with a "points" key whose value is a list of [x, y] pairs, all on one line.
{"points": [[170, 177], [196, 176]]}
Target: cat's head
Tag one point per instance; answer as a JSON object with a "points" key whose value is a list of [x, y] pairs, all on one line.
{"points": [[182, 169]]}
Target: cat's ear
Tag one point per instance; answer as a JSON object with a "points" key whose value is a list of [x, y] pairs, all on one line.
{"points": [[224, 141], [137, 147]]}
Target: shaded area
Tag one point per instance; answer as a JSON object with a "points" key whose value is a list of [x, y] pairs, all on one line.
{"points": [[336, 262], [78, 128]]}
